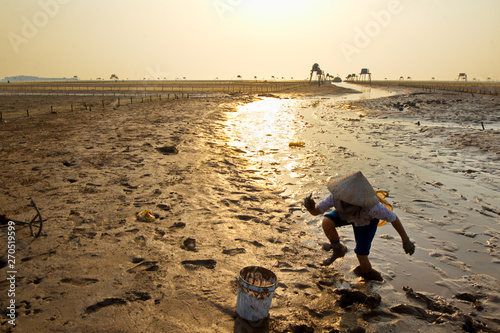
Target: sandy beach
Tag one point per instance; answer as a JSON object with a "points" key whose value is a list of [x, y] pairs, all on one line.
{"points": [[226, 189]]}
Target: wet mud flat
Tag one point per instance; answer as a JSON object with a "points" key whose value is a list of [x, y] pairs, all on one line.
{"points": [[450, 211], [441, 168], [220, 203], [95, 267]]}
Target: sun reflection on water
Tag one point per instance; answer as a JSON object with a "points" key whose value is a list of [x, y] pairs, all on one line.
{"points": [[263, 127], [263, 130]]}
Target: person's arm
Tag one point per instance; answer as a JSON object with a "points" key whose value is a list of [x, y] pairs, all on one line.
{"points": [[400, 229], [408, 245]]}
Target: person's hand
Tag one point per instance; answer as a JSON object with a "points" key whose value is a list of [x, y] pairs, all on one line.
{"points": [[309, 203], [409, 246]]}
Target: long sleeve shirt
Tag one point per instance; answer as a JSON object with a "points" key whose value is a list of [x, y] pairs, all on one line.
{"points": [[378, 211]]}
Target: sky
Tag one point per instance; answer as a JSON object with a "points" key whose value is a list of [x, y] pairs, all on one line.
{"points": [[221, 39]]}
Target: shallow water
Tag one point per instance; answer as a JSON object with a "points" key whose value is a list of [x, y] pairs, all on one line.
{"points": [[452, 216]]}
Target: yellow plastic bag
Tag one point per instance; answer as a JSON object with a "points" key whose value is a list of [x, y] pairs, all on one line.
{"points": [[381, 196], [146, 216], [297, 144]]}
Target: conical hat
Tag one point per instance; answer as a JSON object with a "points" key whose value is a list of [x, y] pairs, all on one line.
{"points": [[354, 189]]}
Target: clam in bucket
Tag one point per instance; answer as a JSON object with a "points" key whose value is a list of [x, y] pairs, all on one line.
{"points": [[255, 293]]}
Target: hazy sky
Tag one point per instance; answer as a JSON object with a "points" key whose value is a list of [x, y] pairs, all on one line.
{"points": [[205, 39]]}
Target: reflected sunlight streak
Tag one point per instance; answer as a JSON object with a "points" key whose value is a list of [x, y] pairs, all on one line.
{"points": [[263, 127], [263, 130]]}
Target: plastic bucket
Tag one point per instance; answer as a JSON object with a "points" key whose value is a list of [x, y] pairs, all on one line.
{"points": [[255, 293]]}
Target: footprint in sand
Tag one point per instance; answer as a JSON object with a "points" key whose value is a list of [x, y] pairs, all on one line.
{"points": [[105, 303], [159, 234], [149, 266], [82, 232], [163, 207], [137, 260], [178, 225], [134, 296], [254, 243], [140, 241], [42, 256], [79, 281], [122, 233], [69, 163], [245, 217], [233, 252], [208, 263], [168, 150], [37, 280], [189, 245], [107, 237]]}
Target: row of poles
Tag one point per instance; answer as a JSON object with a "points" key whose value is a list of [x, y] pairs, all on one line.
{"points": [[119, 102], [224, 88], [493, 89], [125, 98]]}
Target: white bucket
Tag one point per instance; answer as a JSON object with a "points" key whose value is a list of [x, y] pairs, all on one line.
{"points": [[255, 293]]}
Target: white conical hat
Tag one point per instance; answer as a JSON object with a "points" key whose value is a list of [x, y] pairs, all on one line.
{"points": [[354, 189]]}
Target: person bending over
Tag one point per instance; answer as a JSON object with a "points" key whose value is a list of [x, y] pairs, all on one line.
{"points": [[355, 203]]}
